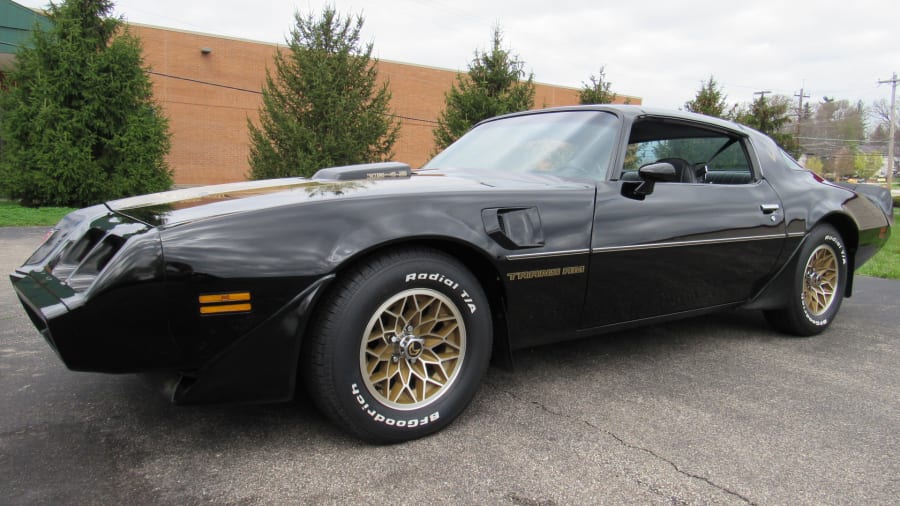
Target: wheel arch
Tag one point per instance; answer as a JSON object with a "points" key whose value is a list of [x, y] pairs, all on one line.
{"points": [[472, 259], [774, 294], [845, 226]]}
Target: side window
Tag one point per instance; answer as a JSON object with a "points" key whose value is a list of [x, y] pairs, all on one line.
{"points": [[730, 166], [698, 155]]}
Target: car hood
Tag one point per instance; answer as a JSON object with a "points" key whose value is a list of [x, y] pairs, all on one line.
{"points": [[191, 204]]}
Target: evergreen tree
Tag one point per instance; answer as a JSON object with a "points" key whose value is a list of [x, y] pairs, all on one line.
{"points": [[323, 106], [78, 121], [597, 91], [494, 85], [710, 100], [770, 117]]}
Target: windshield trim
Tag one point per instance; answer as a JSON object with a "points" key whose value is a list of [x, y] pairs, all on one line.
{"points": [[579, 144]]}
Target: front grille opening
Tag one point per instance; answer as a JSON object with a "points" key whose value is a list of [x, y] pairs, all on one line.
{"points": [[81, 261], [94, 262], [97, 259], [74, 253]]}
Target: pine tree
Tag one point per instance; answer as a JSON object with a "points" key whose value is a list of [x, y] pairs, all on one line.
{"points": [[493, 85], [597, 91], [770, 117], [710, 100], [78, 121], [323, 106]]}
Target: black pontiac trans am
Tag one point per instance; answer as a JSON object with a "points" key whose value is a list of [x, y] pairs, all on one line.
{"points": [[386, 291]]}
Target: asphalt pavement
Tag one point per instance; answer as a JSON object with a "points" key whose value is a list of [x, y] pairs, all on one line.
{"points": [[712, 410]]}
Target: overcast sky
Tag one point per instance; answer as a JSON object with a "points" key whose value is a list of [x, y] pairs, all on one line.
{"points": [[659, 50]]}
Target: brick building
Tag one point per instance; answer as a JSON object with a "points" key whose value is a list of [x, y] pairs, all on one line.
{"points": [[210, 85]]}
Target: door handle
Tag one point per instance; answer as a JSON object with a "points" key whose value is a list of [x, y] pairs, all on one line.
{"points": [[769, 208]]}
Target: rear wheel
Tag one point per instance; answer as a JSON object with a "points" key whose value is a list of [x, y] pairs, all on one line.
{"points": [[817, 287], [400, 345]]}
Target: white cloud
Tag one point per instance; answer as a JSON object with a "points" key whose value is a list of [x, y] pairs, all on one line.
{"points": [[659, 50]]}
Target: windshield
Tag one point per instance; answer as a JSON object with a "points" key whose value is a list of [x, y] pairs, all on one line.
{"points": [[566, 144]]}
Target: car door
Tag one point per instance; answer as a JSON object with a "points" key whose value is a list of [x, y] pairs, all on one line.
{"points": [[708, 239]]}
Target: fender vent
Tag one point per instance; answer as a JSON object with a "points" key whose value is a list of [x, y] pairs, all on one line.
{"points": [[514, 228]]}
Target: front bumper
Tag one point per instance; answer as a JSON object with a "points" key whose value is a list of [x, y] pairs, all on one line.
{"points": [[95, 292]]}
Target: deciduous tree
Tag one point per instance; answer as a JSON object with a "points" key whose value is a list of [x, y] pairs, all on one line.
{"points": [[867, 165], [815, 164], [597, 91], [880, 113], [834, 130]]}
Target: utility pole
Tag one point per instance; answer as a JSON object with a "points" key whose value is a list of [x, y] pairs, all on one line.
{"points": [[889, 174], [800, 96]]}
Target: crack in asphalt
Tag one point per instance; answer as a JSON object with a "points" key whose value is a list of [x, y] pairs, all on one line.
{"points": [[626, 444]]}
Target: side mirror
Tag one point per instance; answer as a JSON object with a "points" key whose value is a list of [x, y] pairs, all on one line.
{"points": [[662, 171], [652, 173]]}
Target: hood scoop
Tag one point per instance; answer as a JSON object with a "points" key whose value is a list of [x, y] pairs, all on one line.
{"points": [[367, 171]]}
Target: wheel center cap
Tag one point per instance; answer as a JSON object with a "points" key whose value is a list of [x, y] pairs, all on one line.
{"points": [[414, 347], [814, 278], [408, 346]]}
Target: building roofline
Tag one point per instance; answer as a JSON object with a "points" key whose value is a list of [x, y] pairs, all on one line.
{"points": [[33, 10], [386, 60]]}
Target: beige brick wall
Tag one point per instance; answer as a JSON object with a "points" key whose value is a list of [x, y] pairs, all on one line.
{"points": [[209, 123]]}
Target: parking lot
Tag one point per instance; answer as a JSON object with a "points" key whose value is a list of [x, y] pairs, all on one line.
{"points": [[717, 410]]}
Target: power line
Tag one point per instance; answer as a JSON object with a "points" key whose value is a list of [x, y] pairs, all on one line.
{"points": [[861, 141], [207, 83], [258, 92]]}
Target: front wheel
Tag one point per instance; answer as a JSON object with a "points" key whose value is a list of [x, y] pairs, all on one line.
{"points": [[400, 345], [817, 287]]}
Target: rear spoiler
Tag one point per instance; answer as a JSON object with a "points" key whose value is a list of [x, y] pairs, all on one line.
{"points": [[880, 196]]}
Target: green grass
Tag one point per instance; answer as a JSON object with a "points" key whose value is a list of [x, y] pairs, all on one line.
{"points": [[886, 264], [14, 215]]}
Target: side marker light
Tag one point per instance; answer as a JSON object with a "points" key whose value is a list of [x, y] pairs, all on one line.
{"points": [[223, 303]]}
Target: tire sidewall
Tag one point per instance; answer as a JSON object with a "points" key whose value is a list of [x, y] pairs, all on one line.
{"points": [[827, 236], [364, 410]]}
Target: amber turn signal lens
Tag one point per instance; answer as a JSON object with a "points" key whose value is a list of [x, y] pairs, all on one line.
{"points": [[219, 303]]}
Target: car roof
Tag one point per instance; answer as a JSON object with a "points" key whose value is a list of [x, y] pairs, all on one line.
{"points": [[636, 111]]}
